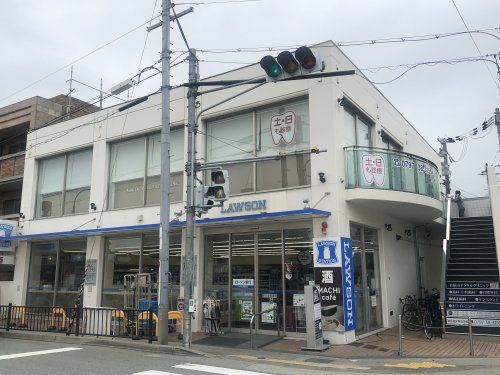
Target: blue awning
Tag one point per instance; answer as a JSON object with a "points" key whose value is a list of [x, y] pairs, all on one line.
{"points": [[307, 212]]}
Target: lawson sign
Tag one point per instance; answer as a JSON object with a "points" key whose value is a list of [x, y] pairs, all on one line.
{"points": [[7, 229], [335, 275]]}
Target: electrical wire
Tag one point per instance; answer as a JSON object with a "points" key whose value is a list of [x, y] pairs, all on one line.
{"points": [[476, 133], [218, 2], [180, 27], [77, 60], [427, 63], [399, 39], [475, 44], [106, 193]]}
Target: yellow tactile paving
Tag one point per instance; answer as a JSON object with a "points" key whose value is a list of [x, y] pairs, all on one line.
{"points": [[419, 365], [302, 363]]}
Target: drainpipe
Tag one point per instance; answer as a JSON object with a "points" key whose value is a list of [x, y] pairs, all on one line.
{"points": [[417, 257]]}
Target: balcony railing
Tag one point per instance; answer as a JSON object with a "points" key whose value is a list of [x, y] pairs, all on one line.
{"points": [[12, 165], [375, 168]]}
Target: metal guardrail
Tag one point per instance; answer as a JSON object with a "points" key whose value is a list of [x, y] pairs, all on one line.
{"points": [[252, 319], [90, 321]]}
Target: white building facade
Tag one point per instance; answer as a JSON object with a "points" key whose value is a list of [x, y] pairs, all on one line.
{"points": [[91, 196]]}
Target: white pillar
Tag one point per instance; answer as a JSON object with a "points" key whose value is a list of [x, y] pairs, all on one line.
{"points": [[95, 251]]}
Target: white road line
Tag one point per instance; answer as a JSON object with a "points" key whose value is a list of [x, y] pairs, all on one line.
{"points": [[40, 352], [217, 370]]}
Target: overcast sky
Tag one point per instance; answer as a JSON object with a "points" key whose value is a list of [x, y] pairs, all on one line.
{"points": [[40, 37]]}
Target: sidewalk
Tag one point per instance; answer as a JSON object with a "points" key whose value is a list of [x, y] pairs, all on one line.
{"points": [[383, 345], [386, 344]]}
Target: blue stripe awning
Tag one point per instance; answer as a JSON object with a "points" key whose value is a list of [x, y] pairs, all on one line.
{"points": [[307, 212]]}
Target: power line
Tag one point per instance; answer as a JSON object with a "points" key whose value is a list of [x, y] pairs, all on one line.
{"points": [[428, 63], [475, 44], [399, 39], [77, 60], [218, 2], [78, 299]]}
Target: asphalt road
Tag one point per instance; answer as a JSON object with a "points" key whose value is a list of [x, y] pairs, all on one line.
{"points": [[38, 358]]}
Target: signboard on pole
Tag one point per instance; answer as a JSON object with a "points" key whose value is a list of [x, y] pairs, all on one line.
{"points": [[333, 273], [314, 326]]}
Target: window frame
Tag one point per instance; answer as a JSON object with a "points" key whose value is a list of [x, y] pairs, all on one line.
{"points": [[57, 270], [141, 236], [358, 116], [255, 122], [389, 141], [63, 191], [146, 138]]}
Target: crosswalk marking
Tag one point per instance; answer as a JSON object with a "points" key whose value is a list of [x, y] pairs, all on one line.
{"points": [[39, 352], [154, 372], [217, 370]]}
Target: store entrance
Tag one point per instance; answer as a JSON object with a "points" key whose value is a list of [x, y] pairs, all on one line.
{"points": [[261, 273], [256, 279]]}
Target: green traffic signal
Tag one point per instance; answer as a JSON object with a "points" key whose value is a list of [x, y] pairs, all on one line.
{"points": [[271, 66]]}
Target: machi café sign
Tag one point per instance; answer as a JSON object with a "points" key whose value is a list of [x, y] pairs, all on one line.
{"points": [[245, 206]]}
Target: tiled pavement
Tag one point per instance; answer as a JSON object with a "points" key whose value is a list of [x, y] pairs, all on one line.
{"points": [[385, 344]]}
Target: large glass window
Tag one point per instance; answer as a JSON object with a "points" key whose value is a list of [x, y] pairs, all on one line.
{"points": [[137, 254], [56, 273], [357, 130], [64, 184], [135, 169], [217, 273], [265, 132]]}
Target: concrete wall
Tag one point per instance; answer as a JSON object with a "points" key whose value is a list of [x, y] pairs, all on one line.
{"points": [[473, 207], [494, 189]]}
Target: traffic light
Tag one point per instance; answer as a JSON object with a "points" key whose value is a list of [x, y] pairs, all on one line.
{"points": [[219, 186], [203, 202], [218, 191], [286, 65]]}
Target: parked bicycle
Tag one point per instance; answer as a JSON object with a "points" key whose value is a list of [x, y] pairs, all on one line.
{"points": [[422, 313]]}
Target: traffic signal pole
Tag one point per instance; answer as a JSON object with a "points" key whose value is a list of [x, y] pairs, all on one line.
{"points": [[163, 287], [192, 167], [190, 190], [445, 165]]}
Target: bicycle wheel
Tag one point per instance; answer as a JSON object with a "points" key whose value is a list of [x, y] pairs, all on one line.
{"points": [[428, 329], [410, 318]]}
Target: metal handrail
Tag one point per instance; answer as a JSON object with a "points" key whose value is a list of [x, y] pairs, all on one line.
{"points": [[252, 319]]}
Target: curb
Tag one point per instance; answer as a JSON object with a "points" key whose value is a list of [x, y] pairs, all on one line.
{"points": [[102, 341]]}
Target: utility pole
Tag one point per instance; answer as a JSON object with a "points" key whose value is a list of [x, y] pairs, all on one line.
{"points": [[497, 123], [163, 271], [443, 152], [190, 196], [100, 96], [68, 107]]}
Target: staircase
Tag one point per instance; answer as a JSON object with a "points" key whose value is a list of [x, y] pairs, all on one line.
{"points": [[472, 288]]}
